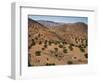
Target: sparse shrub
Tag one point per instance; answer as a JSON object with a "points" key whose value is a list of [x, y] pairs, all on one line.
{"points": [[55, 43], [72, 44], [81, 41], [45, 46], [65, 42], [70, 47], [49, 64], [82, 49], [36, 38], [58, 42], [49, 42], [60, 46], [38, 35], [29, 35], [45, 42], [82, 46], [69, 62], [33, 42], [86, 55], [29, 56], [40, 42], [86, 43], [74, 57], [65, 50], [56, 49], [38, 53], [64, 47], [56, 55], [76, 41], [79, 46]]}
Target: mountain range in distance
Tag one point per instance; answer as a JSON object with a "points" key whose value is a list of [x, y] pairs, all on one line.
{"points": [[53, 24]]}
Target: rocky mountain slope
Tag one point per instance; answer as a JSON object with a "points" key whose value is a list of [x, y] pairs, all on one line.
{"points": [[51, 43]]}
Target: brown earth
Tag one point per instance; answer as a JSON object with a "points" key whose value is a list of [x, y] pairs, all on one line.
{"points": [[57, 45]]}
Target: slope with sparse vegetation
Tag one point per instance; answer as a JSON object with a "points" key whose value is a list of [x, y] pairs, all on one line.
{"points": [[66, 44]]}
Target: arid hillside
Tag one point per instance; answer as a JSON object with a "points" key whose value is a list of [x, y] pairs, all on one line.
{"points": [[51, 43]]}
